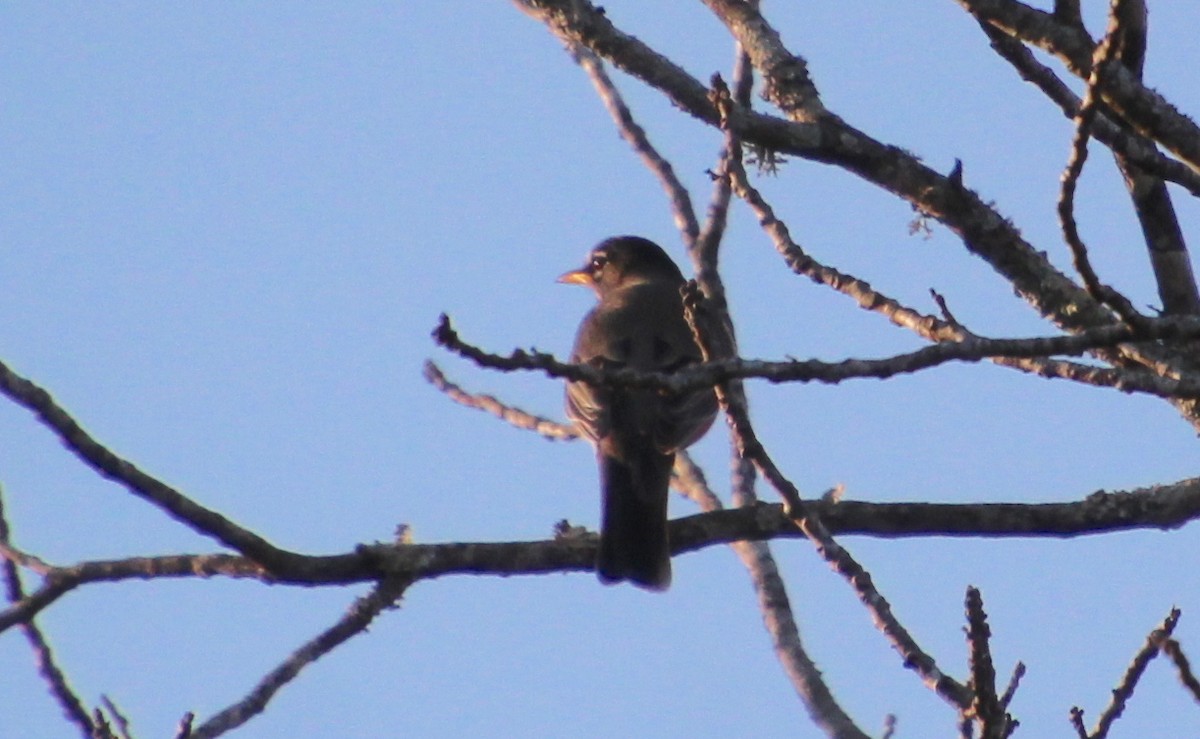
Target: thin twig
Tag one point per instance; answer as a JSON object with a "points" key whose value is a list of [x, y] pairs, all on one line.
{"points": [[1173, 650], [635, 135], [355, 622], [738, 416], [24, 559], [1124, 691], [776, 608], [1103, 60], [184, 730], [60, 580], [118, 717], [1014, 681], [72, 707], [801, 263], [1076, 716], [810, 523], [554, 430]]}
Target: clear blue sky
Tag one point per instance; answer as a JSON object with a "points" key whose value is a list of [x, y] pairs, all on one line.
{"points": [[227, 230]]}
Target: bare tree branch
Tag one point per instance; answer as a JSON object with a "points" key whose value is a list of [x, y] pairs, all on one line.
{"points": [[184, 730], [812, 370], [489, 404], [801, 263], [1077, 722], [1169, 258], [1147, 111], [776, 608], [61, 580], [785, 75], [356, 621], [118, 717], [1172, 649], [635, 135], [72, 707], [809, 522], [1128, 144], [1105, 55], [986, 707], [1014, 681], [1124, 691], [109, 465]]}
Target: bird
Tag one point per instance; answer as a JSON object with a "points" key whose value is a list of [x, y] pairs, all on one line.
{"points": [[638, 323]]}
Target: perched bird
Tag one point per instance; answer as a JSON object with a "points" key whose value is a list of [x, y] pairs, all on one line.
{"points": [[639, 324]]}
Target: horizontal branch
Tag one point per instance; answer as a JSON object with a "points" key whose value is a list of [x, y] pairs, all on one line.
{"points": [[971, 349], [1160, 507]]}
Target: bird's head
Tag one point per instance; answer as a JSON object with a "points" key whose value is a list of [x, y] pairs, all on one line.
{"points": [[623, 261]]}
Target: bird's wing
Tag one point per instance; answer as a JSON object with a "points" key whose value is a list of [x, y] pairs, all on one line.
{"points": [[587, 407]]}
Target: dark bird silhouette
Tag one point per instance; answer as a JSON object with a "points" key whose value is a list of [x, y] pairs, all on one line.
{"points": [[639, 324]]}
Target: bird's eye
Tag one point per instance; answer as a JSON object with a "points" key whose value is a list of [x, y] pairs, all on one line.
{"points": [[598, 262]]}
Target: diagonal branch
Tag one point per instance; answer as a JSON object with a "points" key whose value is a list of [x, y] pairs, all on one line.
{"points": [[809, 522], [1172, 649], [154, 491], [355, 622], [635, 135], [1148, 112], [1124, 691], [545, 427], [1169, 258], [1128, 144], [801, 263], [776, 608], [56, 680]]}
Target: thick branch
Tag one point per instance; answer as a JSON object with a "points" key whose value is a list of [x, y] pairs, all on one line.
{"points": [[1147, 111], [1128, 144], [1160, 507]]}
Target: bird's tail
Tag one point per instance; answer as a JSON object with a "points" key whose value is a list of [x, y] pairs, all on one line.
{"points": [[633, 530]]}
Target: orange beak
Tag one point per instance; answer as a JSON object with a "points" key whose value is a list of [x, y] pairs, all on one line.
{"points": [[577, 277]]}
